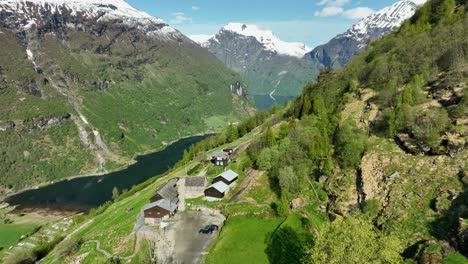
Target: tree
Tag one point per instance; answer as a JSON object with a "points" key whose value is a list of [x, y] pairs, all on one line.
{"points": [[429, 125], [354, 240], [268, 138], [351, 143], [115, 193], [288, 181], [232, 133], [264, 159], [242, 130]]}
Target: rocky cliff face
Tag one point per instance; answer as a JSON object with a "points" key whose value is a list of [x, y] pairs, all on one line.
{"points": [[127, 83], [341, 49]]}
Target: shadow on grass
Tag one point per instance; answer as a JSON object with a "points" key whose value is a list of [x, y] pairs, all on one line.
{"points": [[285, 245]]}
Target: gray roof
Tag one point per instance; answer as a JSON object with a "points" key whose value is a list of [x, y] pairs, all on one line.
{"points": [[195, 181], [168, 191], [220, 154], [220, 186], [229, 175], [165, 204]]}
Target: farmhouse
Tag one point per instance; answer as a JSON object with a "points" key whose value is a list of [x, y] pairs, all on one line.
{"points": [[228, 177], [158, 210], [217, 190], [195, 186], [168, 191], [220, 158], [163, 204]]}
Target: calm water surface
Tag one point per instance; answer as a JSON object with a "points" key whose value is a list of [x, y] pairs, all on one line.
{"points": [[89, 192]]}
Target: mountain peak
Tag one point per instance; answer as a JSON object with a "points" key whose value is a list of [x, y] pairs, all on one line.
{"points": [[386, 19], [30, 12], [342, 48], [266, 38]]}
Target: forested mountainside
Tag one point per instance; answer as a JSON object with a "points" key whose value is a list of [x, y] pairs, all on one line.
{"points": [[386, 140], [84, 87], [341, 49], [269, 65]]}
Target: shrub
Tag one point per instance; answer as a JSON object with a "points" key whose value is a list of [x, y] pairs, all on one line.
{"points": [[354, 240], [23, 256]]}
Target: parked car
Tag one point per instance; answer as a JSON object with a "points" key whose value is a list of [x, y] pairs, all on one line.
{"points": [[213, 227], [205, 230], [208, 229]]}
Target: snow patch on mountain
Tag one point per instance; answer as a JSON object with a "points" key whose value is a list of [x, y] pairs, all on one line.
{"points": [[266, 38], [387, 19], [112, 8], [200, 38], [29, 12]]}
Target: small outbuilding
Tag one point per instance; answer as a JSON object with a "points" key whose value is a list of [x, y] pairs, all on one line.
{"points": [[228, 177], [156, 211], [229, 150], [217, 190], [195, 186]]}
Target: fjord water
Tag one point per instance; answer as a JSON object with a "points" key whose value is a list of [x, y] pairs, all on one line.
{"points": [[84, 193]]}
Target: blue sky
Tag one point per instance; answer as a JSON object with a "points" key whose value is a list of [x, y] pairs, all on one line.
{"points": [[310, 21]]}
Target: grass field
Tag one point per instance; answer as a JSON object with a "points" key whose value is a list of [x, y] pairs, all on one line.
{"points": [[454, 258], [11, 233], [242, 240]]}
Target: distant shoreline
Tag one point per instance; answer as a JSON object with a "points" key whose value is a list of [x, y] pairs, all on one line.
{"points": [[133, 161]]}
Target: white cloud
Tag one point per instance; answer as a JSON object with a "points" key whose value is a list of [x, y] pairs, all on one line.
{"points": [[180, 18], [195, 8], [336, 7], [329, 11], [358, 13], [335, 3]]}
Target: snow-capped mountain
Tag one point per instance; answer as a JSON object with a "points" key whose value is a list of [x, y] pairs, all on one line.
{"points": [[341, 49], [265, 37], [269, 65], [25, 14]]}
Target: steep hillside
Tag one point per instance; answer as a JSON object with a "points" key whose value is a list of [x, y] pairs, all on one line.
{"points": [[85, 86], [272, 68], [344, 47]]}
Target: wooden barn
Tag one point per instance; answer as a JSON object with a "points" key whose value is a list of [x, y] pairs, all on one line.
{"points": [[228, 177], [163, 204], [195, 186], [217, 190], [156, 211], [168, 191]]}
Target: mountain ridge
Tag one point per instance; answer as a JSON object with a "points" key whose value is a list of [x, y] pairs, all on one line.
{"points": [[268, 64], [342, 48], [265, 37]]}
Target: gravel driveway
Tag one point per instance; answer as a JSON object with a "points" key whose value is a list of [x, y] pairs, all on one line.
{"points": [[187, 245]]}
